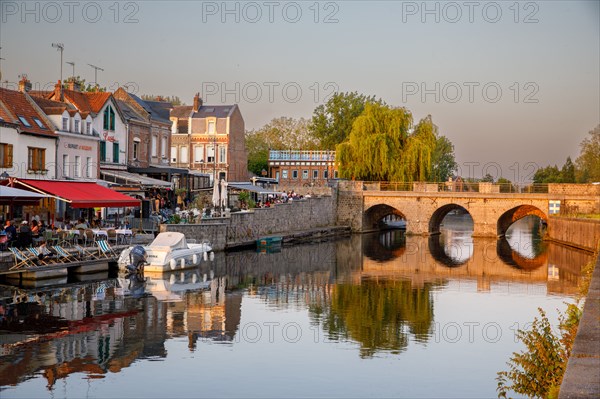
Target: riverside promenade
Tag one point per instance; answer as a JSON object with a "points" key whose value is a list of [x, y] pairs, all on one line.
{"points": [[582, 378]]}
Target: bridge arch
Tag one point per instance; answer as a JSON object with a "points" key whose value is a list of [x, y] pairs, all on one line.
{"points": [[376, 213], [439, 214], [513, 258], [516, 213], [452, 256]]}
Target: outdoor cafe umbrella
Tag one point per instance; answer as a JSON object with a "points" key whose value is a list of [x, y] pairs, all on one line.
{"points": [[223, 193], [215, 198]]}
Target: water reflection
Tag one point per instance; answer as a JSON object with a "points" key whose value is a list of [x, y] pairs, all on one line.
{"points": [[379, 293], [381, 315]]}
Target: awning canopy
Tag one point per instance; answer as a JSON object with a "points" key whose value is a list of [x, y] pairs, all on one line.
{"points": [[252, 188], [15, 196], [78, 194], [122, 177]]}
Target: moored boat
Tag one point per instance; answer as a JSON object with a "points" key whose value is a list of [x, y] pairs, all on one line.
{"points": [[169, 251]]}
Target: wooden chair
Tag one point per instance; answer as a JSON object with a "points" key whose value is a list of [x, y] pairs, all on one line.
{"points": [[21, 259], [112, 235], [86, 253], [105, 249], [89, 237], [62, 254]]}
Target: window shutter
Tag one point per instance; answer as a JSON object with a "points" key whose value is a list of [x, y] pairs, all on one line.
{"points": [[9, 156]]}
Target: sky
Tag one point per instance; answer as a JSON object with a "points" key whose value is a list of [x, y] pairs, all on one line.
{"points": [[514, 85]]}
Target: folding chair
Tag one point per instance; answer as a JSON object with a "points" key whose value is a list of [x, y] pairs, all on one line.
{"points": [[21, 259], [105, 249], [61, 254], [84, 252], [36, 255]]}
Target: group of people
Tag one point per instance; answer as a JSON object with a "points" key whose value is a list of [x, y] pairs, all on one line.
{"points": [[24, 236], [284, 198]]}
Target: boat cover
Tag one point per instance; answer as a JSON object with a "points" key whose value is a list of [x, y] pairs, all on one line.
{"points": [[170, 239]]}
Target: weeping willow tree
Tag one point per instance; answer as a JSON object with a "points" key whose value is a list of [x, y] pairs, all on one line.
{"points": [[384, 146]]}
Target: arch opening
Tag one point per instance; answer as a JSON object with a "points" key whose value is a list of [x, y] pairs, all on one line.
{"points": [[384, 217], [384, 245], [506, 220], [451, 217]]}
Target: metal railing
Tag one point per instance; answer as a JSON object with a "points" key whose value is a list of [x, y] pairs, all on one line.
{"points": [[465, 187]]}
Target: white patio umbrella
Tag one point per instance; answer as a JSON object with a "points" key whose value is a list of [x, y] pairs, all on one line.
{"points": [[223, 193], [215, 198]]}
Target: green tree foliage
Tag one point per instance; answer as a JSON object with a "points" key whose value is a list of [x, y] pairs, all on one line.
{"points": [[380, 146], [279, 134], [567, 173], [332, 122], [487, 178], [538, 370], [506, 186], [588, 162], [175, 100], [549, 174], [377, 314], [80, 83], [443, 164]]}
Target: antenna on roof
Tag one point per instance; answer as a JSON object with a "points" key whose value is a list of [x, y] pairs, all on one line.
{"points": [[60, 47], [1, 65], [72, 63], [96, 69]]}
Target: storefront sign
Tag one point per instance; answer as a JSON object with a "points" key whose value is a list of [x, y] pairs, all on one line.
{"points": [[78, 147]]}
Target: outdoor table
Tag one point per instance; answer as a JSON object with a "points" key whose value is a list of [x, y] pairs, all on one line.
{"points": [[100, 233], [125, 233]]}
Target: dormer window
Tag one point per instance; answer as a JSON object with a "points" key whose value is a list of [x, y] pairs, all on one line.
{"points": [[76, 128], [88, 127], [109, 118], [65, 124], [39, 123], [24, 121], [211, 127]]}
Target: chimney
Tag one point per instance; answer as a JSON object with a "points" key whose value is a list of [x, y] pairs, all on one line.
{"points": [[197, 102], [24, 84], [58, 93], [73, 85]]}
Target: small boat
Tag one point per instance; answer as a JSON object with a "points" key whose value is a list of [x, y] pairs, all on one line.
{"points": [[170, 251], [268, 242]]}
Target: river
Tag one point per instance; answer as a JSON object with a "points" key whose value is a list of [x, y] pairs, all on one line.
{"points": [[379, 315]]}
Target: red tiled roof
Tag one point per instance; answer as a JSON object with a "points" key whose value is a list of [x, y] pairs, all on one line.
{"points": [[97, 100], [87, 102], [51, 107], [18, 105]]}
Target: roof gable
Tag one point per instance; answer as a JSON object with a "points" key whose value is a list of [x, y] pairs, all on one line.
{"points": [[23, 112]]}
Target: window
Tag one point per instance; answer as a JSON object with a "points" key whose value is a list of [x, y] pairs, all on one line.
{"points": [[315, 174], [277, 175], [65, 165], [88, 128], [199, 153], [76, 127], [109, 118], [103, 151], [335, 174], [39, 123], [183, 154], [211, 127], [294, 174], [154, 146], [88, 167], [163, 147], [36, 159], [305, 174], [136, 149], [65, 124], [210, 154], [6, 155], [77, 166], [223, 154], [284, 174], [325, 174], [174, 154], [24, 121], [115, 152]]}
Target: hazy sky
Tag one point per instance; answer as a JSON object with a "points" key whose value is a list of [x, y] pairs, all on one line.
{"points": [[507, 82]]}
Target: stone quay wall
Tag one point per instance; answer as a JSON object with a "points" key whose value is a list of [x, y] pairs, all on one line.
{"points": [[246, 227], [580, 233]]}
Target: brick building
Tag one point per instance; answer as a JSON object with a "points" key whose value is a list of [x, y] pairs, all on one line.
{"points": [[209, 139]]}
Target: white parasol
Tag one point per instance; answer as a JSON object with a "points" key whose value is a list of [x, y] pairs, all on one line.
{"points": [[215, 197], [223, 193]]}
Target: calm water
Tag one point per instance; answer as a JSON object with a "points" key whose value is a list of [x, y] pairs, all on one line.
{"points": [[382, 315]]}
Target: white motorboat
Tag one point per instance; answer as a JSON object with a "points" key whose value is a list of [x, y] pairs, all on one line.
{"points": [[170, 251]]}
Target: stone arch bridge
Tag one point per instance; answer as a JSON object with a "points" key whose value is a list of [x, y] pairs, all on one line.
{"points": [[362, 205]]}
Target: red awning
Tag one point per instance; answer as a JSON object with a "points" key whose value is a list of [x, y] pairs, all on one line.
{"points": [[79, 194]]}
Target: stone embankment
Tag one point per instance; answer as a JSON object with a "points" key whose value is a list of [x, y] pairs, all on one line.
{"points": [[575, 232], [582, 378], [295, 220]]}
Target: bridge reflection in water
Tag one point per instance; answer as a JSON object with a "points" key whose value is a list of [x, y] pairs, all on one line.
{"points": [[377, 291]]}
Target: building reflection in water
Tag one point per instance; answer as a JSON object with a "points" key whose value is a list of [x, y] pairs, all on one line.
{"points": [[376, 290]]}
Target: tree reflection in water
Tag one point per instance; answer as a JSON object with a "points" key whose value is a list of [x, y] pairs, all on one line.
{"points": [[380, 314]]}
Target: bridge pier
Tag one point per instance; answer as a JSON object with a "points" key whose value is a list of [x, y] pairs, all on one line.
{"points": [[485, 229]]}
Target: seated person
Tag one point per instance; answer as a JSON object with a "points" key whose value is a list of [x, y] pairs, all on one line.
{"points": [[24, 237], [81, 224]]}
